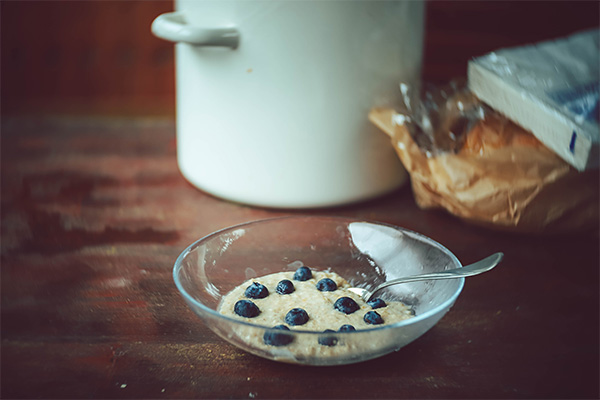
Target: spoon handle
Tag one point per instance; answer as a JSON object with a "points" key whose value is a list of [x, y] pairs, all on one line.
{"points": [[474, 269]]}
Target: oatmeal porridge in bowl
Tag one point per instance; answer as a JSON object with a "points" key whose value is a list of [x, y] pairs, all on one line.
{"points": [[278, 288]]}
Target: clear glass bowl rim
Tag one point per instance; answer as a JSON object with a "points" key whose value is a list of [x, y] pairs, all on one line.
{"points": [[215, 314]]}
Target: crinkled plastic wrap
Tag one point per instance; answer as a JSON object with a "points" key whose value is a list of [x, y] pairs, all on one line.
{"points": [[469, 160]]}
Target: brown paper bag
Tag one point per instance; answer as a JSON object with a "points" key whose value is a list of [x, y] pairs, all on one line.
{"points": [[502, 177]]}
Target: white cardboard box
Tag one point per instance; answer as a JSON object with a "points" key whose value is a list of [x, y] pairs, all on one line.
{"points": [[549, 88]]}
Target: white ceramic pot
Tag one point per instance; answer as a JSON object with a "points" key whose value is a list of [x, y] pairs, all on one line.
{"points": [[273, 96]]}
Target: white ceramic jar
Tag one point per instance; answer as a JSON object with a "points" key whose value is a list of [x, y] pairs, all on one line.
{"points": [[273, 96]]}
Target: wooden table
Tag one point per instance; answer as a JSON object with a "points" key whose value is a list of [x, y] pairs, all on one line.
{"points": [[95, 211]]}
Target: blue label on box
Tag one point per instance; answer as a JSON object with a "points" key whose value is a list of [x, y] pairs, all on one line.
{"points": [[581, 100]]}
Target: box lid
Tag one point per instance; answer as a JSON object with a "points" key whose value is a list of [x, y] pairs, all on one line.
{"points": [[551, 89]]}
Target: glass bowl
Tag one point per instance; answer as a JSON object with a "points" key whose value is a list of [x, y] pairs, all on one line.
{"points": [[364, 253]]}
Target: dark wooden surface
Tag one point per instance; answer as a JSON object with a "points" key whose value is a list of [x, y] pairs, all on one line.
{"points": [[94, 213]]}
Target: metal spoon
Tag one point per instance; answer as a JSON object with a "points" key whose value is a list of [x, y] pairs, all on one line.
{"points": [[474, 269]]}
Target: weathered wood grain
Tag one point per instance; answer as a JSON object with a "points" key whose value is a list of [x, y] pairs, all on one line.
{"points": [[94, 213]]}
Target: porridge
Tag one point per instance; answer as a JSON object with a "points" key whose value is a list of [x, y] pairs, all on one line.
{"points": [[307, 300]]}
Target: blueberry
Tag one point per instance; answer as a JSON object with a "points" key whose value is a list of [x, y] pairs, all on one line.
{"points": [[347, 328], [327, 340], [376, 303], [346, 305], [296, 316], [326, 285], [278, 338], [302, 274], [246, 308], [256, 291], [373, 318], [285, 287]]}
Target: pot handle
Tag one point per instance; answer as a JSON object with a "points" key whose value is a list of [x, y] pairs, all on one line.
{"points": [[173, 27]]}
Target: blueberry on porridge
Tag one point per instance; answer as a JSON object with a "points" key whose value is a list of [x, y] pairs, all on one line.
{"points": [[285, 287], [346, 305], [256, 291], [326, 285], [327, 340], [373, 318], [376, 303], [346, 328], [302, 274], [296, 316], [273, 338], [246, 308]]}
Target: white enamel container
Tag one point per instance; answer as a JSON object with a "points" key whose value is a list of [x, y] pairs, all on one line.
{"points": [[273, 96]]}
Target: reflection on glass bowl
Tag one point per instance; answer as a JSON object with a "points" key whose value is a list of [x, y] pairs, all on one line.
{"points": [[364, 253]]}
